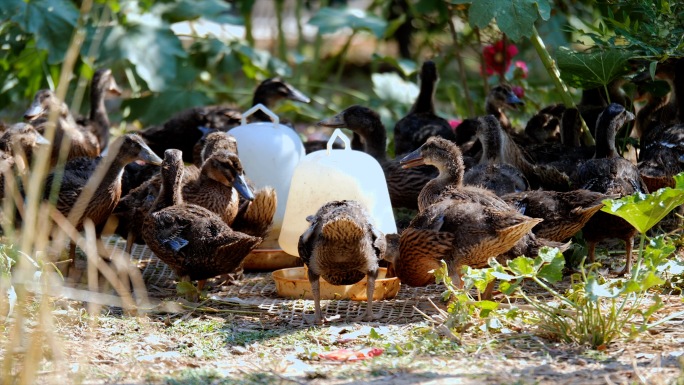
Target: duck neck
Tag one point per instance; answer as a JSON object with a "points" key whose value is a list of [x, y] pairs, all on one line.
{"points": [[449, 177], [98, 114], [492, 145], [605, 141], [424, 102], [171, 193], [260, 97], [569, 130], [375, 143], [499, 115]]}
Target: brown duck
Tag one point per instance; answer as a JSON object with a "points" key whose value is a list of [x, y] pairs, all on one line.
{"points": [[341, 246], [196, 243], [78, 173]]}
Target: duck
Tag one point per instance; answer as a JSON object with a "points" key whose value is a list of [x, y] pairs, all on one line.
{"points": [[22, 139], [97, 122], [404, 185], [182, 130], [341, 245], [491, 228], [609, 173], [499, 99], [76, 178], [83, 142], [421, 122], [195, 242], [564, 213], [491, 172], [216, 186], [544, 126]]}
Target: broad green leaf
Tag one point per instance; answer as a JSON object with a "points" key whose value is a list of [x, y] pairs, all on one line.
{"points": [[51, 22], [215, 10], [591, 69], [148, 43], [644, 211], [406, 66], [330, 20], [522, 266], [508, 288], [650, 280], [596, 290], [552, 271], [391, 87], [515, 18], [159, 107], [255, 61]]}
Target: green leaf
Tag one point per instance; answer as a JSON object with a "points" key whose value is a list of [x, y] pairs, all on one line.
{"points": [[390, 87], [51, 22], [522, 266], [148, 43], [508, 288], [330, 20], [515, 18], [374, 334], [406, 66], [255, 61], [596, 290], [644, 211], [184, 288], [650, 280], [591, 69], [552, 271], [215, 10]]}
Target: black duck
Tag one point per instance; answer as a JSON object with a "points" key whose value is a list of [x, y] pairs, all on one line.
{"points": [[411, 131]]}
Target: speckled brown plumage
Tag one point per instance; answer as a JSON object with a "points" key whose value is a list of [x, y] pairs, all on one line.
{"points": [[211, 141], [421, 122], [22, 139], [609, 173], [342, 246], [564, 213], [256, 216], [83, 143], [78, 173], [404, 185], [193, 241], [97, 122]]}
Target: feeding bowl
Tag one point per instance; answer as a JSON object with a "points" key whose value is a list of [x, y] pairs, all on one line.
{"points": [[269, 260], [294, 283]]}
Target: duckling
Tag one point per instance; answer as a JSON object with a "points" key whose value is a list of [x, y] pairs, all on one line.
{"points": [[499, 99], [22, 138], [181, 131], [403, 185], [102, 83], [196, 243], [544, 126], [213, 138], [411, 131], [564, 213], [492, 173], [82, 141], [608, 173], [421, 243], [342, 246], [77, 174]]}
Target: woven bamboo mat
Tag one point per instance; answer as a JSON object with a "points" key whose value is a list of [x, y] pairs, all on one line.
{"points": [[259, 289]]}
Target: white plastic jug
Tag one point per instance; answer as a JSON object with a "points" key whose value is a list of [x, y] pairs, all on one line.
{"points": [[329, 175], [269, 152]]}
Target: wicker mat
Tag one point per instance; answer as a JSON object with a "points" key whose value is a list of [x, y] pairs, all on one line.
{"points": [[259, 289]]}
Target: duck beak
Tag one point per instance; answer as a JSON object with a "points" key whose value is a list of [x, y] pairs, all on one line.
{"points": [[114, 88], [336, 121], [513, 100], [240, 184], [413, 159], [41, 140], [34, 111], [296, 95], [148, 156]]}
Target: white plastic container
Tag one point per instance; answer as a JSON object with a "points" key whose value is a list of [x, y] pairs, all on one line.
{"points": [[329, 175], [269, 152]]}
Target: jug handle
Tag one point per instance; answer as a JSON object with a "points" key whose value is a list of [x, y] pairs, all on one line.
{"points": [[274, 118], [338, 134]]}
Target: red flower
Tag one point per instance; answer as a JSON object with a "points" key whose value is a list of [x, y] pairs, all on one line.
{"points": [[520, 69], [518, 91], [494, 57]]}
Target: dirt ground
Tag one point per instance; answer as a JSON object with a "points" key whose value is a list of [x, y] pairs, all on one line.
{"points": [[179, 342]]}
